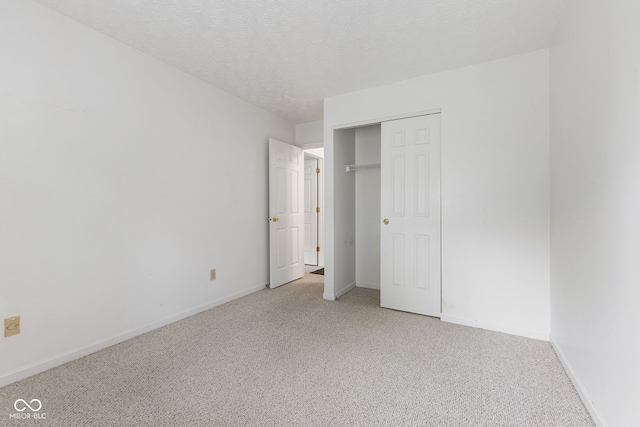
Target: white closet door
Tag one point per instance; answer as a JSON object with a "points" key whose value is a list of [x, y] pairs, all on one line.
{"points": [[410, 208]]}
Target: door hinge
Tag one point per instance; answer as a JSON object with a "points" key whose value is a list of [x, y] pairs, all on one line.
{"points": [[317, 170], [317, 248], [317, 209]]}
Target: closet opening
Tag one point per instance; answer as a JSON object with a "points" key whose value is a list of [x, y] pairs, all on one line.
{"points": [[387, 212], [357, 204]]}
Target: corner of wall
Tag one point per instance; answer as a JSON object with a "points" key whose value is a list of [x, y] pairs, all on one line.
{"points": [[579, 386]]}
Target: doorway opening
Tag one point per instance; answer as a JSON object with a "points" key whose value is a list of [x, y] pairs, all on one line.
{"points": [[357, 158], [313, 209]]}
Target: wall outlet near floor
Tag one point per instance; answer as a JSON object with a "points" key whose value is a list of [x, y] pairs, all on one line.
{"points": [[11, 326], [212, 274]]}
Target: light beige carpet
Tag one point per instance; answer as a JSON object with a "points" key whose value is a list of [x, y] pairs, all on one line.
{"points": [[285, 357]]}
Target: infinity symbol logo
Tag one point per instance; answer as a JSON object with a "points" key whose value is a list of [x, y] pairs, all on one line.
{"points": [[26, 405]]}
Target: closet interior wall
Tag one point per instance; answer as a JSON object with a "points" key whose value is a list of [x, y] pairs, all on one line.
{"points": [[367, 201]]}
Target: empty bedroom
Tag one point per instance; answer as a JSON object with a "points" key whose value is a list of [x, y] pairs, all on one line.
{"points": [[174, 175]]}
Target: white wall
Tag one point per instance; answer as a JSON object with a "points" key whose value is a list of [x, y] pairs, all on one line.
{"points": [[495, 186], [595, 205], [368, 140], [315, 152], [122, 181], [340, 236], [310, 134]]}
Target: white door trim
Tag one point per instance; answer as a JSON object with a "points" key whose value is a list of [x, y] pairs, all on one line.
{"points": [[369, 122], [321, 202], [311, 210]]}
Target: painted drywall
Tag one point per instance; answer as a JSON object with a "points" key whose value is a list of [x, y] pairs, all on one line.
{"points": [[367, 202], [123, 182], [595, 205], [285, 55], [315, 152], [495, 186], [310, 135], [340, 236]]}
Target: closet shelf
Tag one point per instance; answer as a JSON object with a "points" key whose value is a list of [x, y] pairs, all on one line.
{"points": [[351, 168]]}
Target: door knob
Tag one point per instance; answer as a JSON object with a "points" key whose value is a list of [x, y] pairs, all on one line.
{"points": [[276, 219], [386, 221]]}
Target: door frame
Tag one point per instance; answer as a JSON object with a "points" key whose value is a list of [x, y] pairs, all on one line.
{"points": [[313, 251], [321, 196], [333, 290], [379, 120], [321, 203]]}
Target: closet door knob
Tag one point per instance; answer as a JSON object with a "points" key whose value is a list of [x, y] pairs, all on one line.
{"points": [[386, 221]]}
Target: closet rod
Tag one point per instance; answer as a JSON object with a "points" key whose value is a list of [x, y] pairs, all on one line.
{"points": [[350, 168]]}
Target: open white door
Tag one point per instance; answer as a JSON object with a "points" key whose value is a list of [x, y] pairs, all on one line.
{"points": [[410, 208], [286, 215], [311, 210]]}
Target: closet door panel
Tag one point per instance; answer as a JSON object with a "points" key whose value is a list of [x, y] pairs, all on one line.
{"points": [[410, 208]]}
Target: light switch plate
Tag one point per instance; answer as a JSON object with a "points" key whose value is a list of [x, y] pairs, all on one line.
{"points": [[212, 274], [11, 326]]}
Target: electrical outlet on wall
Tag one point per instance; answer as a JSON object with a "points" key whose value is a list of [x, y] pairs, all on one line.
{"points": [[212, 274], [11, 326]]}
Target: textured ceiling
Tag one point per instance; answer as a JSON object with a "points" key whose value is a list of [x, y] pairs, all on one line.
{"points": [[287, 55]]}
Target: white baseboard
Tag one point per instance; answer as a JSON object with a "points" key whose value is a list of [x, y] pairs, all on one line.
{"points": [[368, 285], [582, 391], [333, 297], [544, 336], [346, 289], [61, 359]]}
